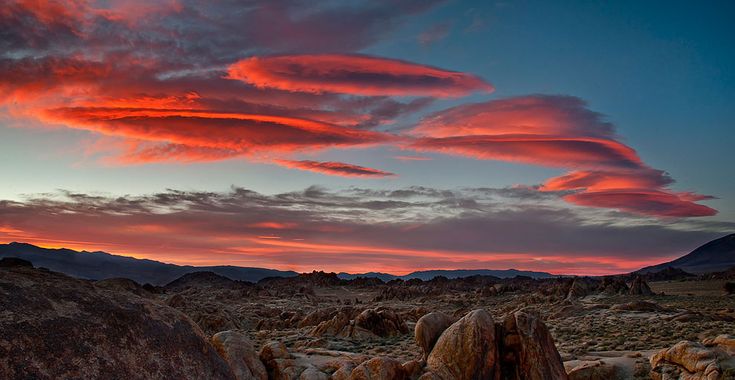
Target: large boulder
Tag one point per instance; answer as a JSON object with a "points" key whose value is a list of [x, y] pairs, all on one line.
{"points": [[56, 327], [528, 350], [379, 368], [640, 287], [429, 328], [238, 351], [467, 350], [692, 360]]}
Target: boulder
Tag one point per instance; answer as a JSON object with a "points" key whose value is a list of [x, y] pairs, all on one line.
{"points": [[692, 360], [640, 287], [238, 351], [429, 328], [466, 350], [379, 368], [57, 327], [528, 351]]}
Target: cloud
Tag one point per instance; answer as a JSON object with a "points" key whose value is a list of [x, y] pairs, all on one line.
{"points": [[390, 230], [212, 129], [650, 202], [558, 131], [640, 178], [552, 151], [354, 74], [335, 168]]}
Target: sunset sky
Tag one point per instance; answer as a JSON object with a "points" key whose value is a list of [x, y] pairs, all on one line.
{"points": [[569, 137]]}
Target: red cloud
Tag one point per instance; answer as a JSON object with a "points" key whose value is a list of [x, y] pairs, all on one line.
{"points": [[581, 152], [605, 180], [335, 168], [354, 74], [544, 130], [213, 131], [558, 131], [642, 201]]}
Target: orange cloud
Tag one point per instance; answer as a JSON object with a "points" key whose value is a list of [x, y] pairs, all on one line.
{"points": [[335, 168], [354, 74]]}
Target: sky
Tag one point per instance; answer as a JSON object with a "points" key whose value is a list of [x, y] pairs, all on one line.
{"points": [[569, 137]]}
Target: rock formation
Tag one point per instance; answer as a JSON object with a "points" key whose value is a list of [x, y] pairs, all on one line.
{"points": [[639, 287]]}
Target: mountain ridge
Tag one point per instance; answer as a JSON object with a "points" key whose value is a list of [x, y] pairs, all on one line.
{"points": [[99, 265]]}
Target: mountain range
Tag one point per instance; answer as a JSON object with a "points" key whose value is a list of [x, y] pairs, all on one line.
{"points": [[715, 256], [102, 265], [427, 275]]}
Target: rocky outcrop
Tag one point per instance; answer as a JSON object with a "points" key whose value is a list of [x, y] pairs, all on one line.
{"points": [[466, 350], [382, 322], [692, 360], [528, 351], [639, 287], [375, 323], [429, 328], [239, 353], [56, 327], [474, 347], [581, 287]]}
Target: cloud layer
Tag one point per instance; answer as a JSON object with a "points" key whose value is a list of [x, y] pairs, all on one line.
{"points": [[394, 230]]}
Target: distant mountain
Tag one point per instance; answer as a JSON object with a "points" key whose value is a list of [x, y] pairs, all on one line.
{"points": [[715, 256], [101, 265], [457, 273]]}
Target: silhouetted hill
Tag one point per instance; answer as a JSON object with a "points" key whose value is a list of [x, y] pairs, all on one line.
{"points": [[450, 274], [101, 265], [715, 256]]}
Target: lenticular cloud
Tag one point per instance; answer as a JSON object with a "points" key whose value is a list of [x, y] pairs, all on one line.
{"points": [[354, 74]]}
